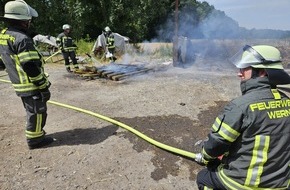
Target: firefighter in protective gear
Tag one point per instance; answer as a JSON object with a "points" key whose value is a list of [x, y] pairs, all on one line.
{"points": [[24, 65], [110, 44], [67, 46], [252, 132]]}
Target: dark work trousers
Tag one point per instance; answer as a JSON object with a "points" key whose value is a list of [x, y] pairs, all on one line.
{"points": [[112, 51], [207, 179], [36, 114], [72, 55]]}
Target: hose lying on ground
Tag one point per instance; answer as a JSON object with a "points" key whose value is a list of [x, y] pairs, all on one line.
{"points": [[52, 55], [134, 131]]}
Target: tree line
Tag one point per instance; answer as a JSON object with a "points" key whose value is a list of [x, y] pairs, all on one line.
{"points": [[139, 20]]}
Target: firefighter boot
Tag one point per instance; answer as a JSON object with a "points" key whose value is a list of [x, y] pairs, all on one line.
{"points": [[68, 70], [44, 142]]}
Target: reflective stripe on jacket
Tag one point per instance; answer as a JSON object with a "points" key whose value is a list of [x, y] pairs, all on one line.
{"points": [[65, 42], [253, 133], [17, 49], [110, 41]]}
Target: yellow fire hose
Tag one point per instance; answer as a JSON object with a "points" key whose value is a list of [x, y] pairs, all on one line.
{"points": [[52, 55], [134, 131]]}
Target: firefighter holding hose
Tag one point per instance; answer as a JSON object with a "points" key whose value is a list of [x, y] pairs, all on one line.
{"points": [[252, 132], [24, 65]]}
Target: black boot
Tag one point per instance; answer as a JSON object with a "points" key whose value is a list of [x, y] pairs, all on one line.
{"points": [[68, 70], [45, 142]]}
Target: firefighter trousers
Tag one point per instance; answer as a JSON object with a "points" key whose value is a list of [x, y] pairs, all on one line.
{"points": [[72, 55], [207, 180], [36, 114]]}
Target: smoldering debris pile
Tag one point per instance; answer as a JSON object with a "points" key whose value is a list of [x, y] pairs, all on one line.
{"points": [[113, 71]]}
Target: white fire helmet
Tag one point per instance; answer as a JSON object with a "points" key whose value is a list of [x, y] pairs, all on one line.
{"points": [[66, 26], [109, 55], [263, 57], [107, 29], [19, 10]]}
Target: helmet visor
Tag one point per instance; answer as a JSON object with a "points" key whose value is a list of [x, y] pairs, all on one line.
{"points": [[31, 11], [249, 57]]}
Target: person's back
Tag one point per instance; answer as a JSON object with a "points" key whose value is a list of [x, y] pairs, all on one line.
{"points": [[252, 132], [19, 42], [260, 120]]}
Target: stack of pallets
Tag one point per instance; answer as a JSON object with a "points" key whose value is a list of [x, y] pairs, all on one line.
{"points": [[112, 71]]}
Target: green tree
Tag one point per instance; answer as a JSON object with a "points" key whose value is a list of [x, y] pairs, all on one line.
{"points": [[139, 20]]}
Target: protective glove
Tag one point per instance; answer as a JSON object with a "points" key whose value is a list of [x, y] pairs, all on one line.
{"points": [[211, 164], [200, 159], [45, 94]]}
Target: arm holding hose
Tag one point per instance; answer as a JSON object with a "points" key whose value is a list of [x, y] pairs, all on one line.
{"points": [[222, 138]]}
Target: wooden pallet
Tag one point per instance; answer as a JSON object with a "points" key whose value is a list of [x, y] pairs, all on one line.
{"points": [[114, 71]]}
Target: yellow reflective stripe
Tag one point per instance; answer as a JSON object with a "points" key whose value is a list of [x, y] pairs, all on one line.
{"points": [[207, 188], [38, 129], [225, 131], [27, 56], [70, 48], [259, 158], [4, 30], [205, 155], [19, 72], [24, 87], [38, 122], [32, 135], [276, 94], [5, 37], [231, 184], [38, 77], [44, 85], [3, 42], [22, 76]]}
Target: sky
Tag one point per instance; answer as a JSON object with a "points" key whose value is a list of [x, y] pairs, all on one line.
{"points": [[258, 14]]}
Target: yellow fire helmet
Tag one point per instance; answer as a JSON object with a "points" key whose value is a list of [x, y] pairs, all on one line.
{"points": [[19, 10], [263, 57]]}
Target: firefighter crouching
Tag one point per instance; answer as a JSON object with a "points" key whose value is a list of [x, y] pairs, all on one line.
{"points": [[24, 65], [252, 133], [67, 47]]}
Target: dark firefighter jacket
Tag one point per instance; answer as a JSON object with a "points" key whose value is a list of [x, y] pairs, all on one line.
{"points": [[253, 133], [23, 62], [65, 42], [110, 41]]}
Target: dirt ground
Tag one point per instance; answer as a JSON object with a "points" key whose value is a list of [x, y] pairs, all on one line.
{"points": [[175, 106]]}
